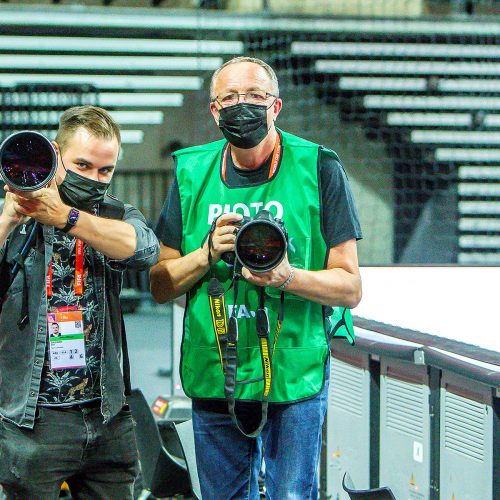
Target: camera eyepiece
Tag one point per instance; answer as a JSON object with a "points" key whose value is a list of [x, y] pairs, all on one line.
{"points": [[28, 160]]}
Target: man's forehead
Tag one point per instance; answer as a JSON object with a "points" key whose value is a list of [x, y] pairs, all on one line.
{"points": [[247, 73], [87, 145]]}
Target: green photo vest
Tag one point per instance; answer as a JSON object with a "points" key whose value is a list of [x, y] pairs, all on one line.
{"points": [[302, 347]]}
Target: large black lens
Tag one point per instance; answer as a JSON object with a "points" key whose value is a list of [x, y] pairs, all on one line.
{"points": [[28, 161], [260, 245]]}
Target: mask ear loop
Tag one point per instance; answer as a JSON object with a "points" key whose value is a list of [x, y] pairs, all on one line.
{"points": [[267, 109], [62, 161], [272, 104]]}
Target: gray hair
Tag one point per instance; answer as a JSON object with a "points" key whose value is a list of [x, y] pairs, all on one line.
{"points": [[241, 59]]}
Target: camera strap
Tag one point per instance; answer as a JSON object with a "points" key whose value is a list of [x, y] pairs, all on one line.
{"points": [[210, 244], [226, 334], [231, 364], [20, 254], [218, 312]]}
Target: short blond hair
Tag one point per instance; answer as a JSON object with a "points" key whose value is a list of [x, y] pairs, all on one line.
{"points": [[95, 120], [241, 59]]}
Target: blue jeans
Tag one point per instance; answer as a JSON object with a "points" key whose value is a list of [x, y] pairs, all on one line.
{"points": [[228, 462]]}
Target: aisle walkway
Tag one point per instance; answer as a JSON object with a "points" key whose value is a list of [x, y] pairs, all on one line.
{"points": [[149, 341]]}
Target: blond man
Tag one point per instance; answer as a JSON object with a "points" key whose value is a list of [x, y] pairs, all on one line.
{"points": [[63, 415]]}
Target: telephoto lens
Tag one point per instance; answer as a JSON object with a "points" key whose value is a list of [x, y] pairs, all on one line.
{"points": [[261, 243], [28, 161]]}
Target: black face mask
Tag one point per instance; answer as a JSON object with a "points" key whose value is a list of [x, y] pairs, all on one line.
{"points": [[244, 125], [80, 192]]}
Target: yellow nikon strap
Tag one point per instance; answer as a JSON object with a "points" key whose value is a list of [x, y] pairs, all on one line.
{"points": [[281, 312], [219, 315]]}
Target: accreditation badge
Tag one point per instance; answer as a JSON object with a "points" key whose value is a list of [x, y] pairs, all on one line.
{"points": [[66, 340]]}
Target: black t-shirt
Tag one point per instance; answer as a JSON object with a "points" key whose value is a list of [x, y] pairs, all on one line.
{"points": [[339, 223], [72, 386]]}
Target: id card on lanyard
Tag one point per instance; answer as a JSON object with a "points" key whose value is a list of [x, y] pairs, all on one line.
{"points": [[65, 329], [66, 340]]}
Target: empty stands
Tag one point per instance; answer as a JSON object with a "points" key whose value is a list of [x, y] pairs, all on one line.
{"points": [[429, 90], [436, 106]]}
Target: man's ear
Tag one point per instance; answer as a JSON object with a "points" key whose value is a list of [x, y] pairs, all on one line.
{"points": [[278, 104], [215, 112], [61, 171]]}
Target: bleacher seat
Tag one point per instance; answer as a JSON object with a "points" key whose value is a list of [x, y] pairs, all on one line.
{"points": [[383, 493], [426, 88], [163, 467], [436, 105]]}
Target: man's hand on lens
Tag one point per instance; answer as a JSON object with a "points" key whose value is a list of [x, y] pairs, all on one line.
{"points": [[223, 236], [9, 213], [44, 205], [274, 278]]}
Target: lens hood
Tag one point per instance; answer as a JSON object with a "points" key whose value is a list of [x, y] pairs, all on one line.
{"points": [[261, 243], [28, 160]]}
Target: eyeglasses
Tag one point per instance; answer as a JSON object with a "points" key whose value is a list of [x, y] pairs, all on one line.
{"points": [[254, 97]]}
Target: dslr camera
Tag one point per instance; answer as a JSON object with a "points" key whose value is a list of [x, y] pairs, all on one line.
{"points": [[28, 161], [261, 243]]}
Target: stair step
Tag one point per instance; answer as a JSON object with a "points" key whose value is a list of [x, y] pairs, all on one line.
{"points": [[479, 207], [479, 189], [467, 154], [455, 136], [395, 118], [479, 172], [479, 258], [479, 241], [479, 225]]}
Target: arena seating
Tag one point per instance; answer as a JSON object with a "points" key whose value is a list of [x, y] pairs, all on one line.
{"points": [[429, 90], [435, 103]]}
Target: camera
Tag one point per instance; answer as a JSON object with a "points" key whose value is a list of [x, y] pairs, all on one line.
{"points": [[261, 243], [28, 161]]}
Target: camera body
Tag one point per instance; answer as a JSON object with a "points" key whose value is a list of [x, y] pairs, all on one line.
{"points": [[261, 243], [28, 161]]}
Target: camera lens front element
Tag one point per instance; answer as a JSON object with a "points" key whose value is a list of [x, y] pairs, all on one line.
{"points": [[28, 161], [260, 245]]}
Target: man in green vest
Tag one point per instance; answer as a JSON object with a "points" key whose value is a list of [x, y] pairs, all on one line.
{"points": [[257, 394]]}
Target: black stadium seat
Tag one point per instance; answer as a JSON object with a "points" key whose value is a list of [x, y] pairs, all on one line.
{"points": [[163, 468], [383, 493]]}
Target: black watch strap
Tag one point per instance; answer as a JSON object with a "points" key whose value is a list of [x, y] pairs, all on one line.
{"points": [[71, 220]]}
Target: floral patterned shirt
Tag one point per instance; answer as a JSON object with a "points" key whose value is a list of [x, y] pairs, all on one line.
{"points": [[66, 387]]}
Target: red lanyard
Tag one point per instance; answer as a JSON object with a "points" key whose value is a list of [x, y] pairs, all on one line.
{"points": [[79, 253], [274, 163], [48, 281], [276, 157], [79, 267]]}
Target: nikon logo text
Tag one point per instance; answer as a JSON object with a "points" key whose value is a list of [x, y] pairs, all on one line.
{"points": [[218, 316], [217, 307], [275, 207]]}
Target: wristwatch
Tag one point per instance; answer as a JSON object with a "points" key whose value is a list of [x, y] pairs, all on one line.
{"points": [[71, 220]]}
